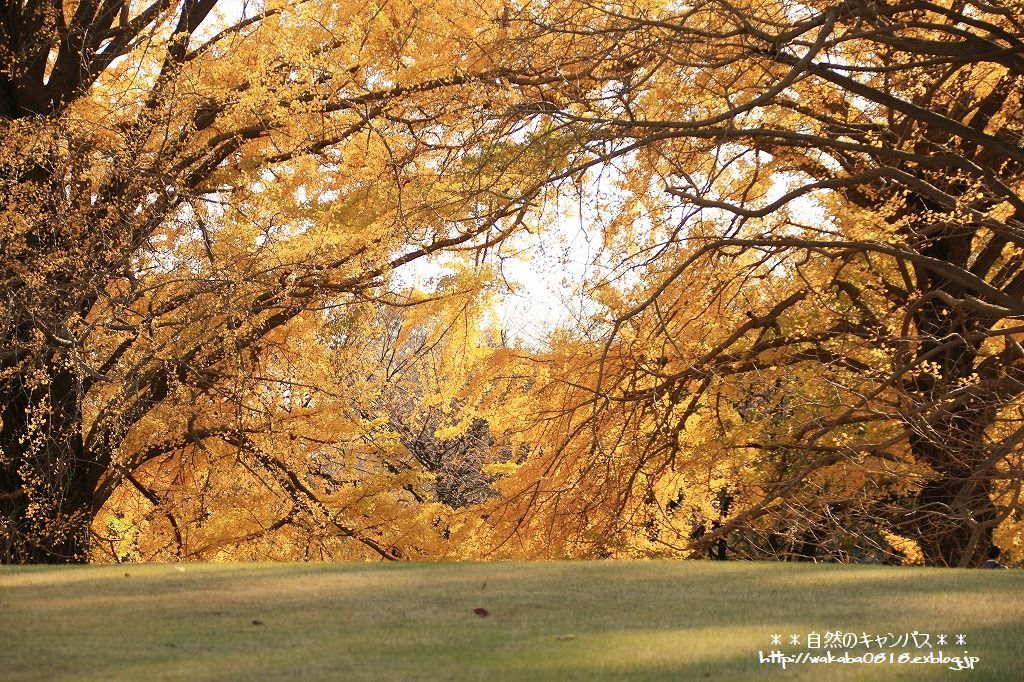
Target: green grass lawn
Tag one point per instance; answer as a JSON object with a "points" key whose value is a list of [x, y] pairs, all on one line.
{"points": [[561, 620]]}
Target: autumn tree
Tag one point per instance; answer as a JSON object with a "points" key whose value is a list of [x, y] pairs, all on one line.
{"points": [[811, 277], [814, 280], [358, 441], [187, 183]]}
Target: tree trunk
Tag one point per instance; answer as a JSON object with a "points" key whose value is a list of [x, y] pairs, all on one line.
{"points": [[46, 480], [953, 528], [953, 515]]}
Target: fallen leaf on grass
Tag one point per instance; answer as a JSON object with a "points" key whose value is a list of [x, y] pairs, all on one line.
{"points": [[483, 613]]}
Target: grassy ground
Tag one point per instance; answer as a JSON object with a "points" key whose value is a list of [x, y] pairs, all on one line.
{"points": [[597, 620]]}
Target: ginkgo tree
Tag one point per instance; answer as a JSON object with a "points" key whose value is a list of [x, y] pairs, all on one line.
{"points": [[814, 281], [355, 441], [185, 180]]}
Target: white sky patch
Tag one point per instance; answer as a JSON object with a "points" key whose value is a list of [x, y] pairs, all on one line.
{"points": [[546, 281], [544, 273]]}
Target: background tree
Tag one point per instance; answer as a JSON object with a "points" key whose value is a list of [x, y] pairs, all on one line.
{"points": [[357, 441]]}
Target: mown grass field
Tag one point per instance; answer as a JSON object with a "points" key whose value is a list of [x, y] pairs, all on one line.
{"points": [[560, 620]]}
